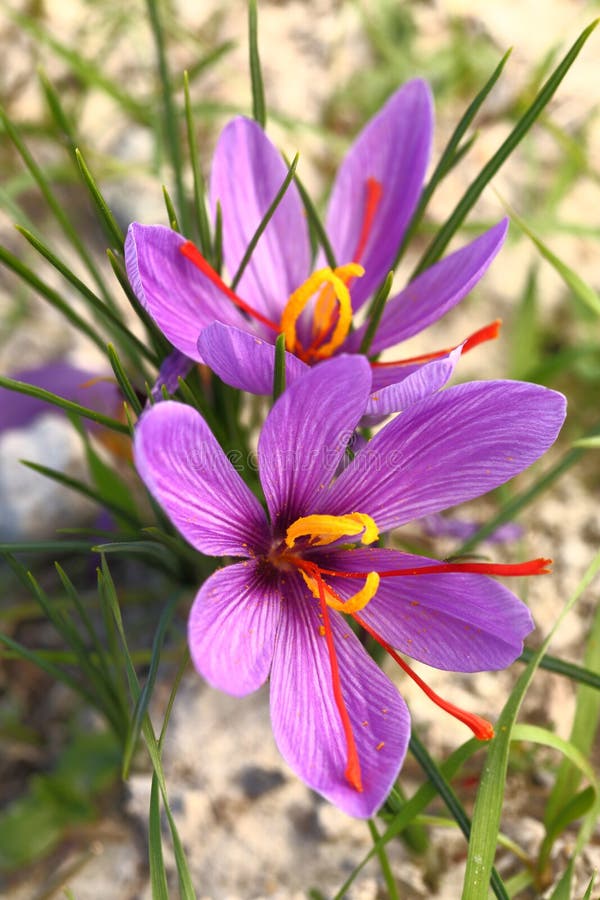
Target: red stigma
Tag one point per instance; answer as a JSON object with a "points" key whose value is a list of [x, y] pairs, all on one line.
{"points": [[538, 566], [487, 333], [192, 253], [374, 193], [481, 728]]}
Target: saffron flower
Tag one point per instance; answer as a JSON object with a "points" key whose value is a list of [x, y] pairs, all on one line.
{"points": [[281, 290], [283, 611]]}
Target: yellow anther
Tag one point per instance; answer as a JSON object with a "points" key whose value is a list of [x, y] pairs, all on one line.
{"points": [[352, 604], [330, 280], [326, 529]]}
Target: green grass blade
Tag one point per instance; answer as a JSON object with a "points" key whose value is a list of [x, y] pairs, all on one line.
{"points": [[265, 221], [259, 108], [123, 380], [85, 490], [107, 220], [448, 229], [386, 870], [158, 875], [54, 204], [584, 293], [48, 397], [375, 312], [562, 667], [51, 296], [170, 114], [488, 804], [132, 344], [171, 212], [584, 728], [141, 706], [279, 371], [202, 222], [451, 154], [316, 226]]}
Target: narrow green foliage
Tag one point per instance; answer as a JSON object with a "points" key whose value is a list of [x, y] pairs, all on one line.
{"points": [[123, 379], [85, 490], [202, 223], [279, 369], [588, 443], [265, 221], [590, 887], [465, 204], [105, 313], [561, 667], [259, 109], [107, 220], [141, 706], [386, 870], [582, 292], [50, 295], [48, 397], [488, 805], [218, 240], [158, 875], [453, 152], [583, 732], [54, 204], [170, 113], [171, 213], [60, 118], [316, 226], [375, 312]]}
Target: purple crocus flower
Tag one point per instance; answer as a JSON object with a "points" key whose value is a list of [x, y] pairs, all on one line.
{"points": [[281, 290], [98, 392], [282, 611]]}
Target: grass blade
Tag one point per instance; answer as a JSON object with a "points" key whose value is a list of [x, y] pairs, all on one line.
{"points": [[158, 875], [107, 220], [446, 232], [259, 108], [488, 804], [48, 397], [202, 222]]}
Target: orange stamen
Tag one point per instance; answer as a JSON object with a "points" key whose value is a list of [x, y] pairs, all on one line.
{"points": [[193, 254], [481, 728], [487, 333], [538, 566], [374, 193], [352, 773]]}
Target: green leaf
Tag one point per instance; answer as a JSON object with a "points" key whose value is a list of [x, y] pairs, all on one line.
{"points": [[259, 109], [375, 312], [473, 192], [123, 380], [279, 370], [158, 875], [171, 213], [316, 226], [107, 220], [488, 804], [453, 151], [562, 667], [42, 394], [582, 292], [202, 222], [588, 443], [170, 114]]}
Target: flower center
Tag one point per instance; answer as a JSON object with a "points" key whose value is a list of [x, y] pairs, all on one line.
{"points": [[332, 315]]}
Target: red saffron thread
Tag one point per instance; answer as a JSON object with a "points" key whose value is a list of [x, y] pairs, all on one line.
{"points": [[487, 333], [374, 193], [481, 728], [352, 773], [529, 567], [192, 253]]}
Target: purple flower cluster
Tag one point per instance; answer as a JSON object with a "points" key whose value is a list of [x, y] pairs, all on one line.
{"points": [[310, 573]]}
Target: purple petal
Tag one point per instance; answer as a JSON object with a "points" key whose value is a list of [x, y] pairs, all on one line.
{"points": [[394, 149], [306, 432], [455, 621], [437, 525], [181, 299], [186, 471], [437, 289], [449, 448], [175, 366], [247, 173], [419, 384], [305, 717], [97, 392], [244, 360], [232, 628]]}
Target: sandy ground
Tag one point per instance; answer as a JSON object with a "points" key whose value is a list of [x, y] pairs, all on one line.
{"points": [[250, 829]]}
